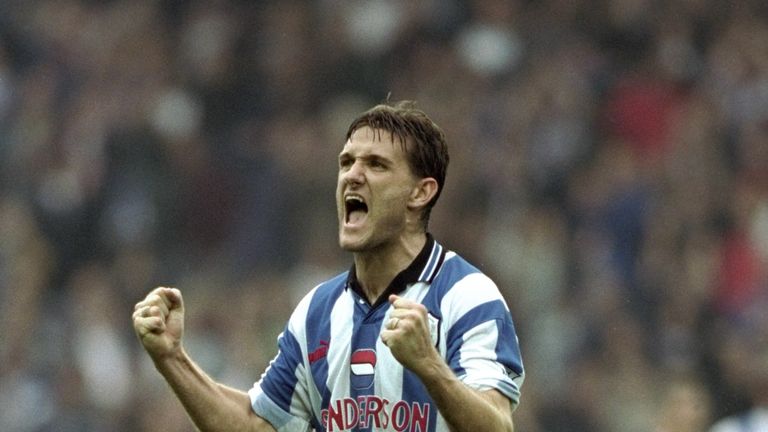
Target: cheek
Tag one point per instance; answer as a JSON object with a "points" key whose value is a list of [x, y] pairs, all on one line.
{"points": [[398, 196], [339, 183], [339, 189], [394, 204], [339, 205]]}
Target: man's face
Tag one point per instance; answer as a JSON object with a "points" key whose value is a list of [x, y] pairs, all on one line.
{"points": [[374, 184]]}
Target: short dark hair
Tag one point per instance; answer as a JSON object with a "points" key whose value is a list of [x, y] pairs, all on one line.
{"points": [[422, 139]]}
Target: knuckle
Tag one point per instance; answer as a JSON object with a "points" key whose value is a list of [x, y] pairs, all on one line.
{"points": [[414, 315]]}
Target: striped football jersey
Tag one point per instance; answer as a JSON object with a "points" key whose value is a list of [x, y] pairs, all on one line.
{"points": [[333, 372]]}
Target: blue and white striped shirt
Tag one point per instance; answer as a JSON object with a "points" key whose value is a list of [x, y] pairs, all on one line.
{"points": [[332, 371]]}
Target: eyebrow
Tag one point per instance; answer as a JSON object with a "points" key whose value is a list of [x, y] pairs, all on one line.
{"points": [[366, 157]]}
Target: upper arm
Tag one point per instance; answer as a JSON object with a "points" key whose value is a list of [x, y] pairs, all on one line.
{"points": [[481, 345], [484, 354]]}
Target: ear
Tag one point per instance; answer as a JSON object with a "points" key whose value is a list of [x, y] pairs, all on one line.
{"points": [[422, 193]]}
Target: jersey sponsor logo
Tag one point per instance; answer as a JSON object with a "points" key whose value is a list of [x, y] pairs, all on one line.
{"points": [[363, 366], [319, 353], [371, 411]]}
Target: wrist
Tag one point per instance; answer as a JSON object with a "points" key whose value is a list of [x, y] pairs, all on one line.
{"points": [[432, 369], [168, 360]]}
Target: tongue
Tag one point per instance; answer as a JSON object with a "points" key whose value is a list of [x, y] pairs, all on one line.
{"points": [[356, 216]]}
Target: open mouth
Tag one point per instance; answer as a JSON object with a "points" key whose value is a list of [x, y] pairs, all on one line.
{"points": [[356, 209]]}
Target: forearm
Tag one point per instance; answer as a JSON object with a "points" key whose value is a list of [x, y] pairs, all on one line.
{"points": [[211, 406], [463, 408]]}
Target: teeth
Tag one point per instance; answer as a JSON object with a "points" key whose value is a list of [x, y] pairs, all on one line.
{"points": [[353, 203]]}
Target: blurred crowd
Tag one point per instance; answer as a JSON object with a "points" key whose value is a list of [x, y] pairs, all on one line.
{"points": [[609, 170]]}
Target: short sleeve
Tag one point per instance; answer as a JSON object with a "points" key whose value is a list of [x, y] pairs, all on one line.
{"points": [[481, 345], [484, 353], [281, 396]]}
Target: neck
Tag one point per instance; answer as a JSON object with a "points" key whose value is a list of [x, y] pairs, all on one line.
{"points": [[376, 268]]}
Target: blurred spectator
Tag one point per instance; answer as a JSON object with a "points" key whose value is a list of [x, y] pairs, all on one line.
{"points": [[685, 406], [754, 379]]}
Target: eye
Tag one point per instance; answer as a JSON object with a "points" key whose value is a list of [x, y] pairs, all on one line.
{"points": [[377, 164], [345, 162]]}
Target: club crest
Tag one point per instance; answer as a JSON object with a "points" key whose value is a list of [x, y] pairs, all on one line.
{"points": [[434, 328]]}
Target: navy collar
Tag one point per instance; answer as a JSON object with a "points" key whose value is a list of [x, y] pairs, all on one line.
{"points": [[424, 268]]}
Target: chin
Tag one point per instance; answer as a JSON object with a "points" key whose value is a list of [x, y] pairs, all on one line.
{"points": [[354, 243], [351, 246]]}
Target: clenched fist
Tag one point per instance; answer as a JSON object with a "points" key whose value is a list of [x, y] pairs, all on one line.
{"points": [[407, 334], [159, 322]]}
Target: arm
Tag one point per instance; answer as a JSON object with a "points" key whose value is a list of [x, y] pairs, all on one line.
{"points": [[464, 409], [159, 322]]}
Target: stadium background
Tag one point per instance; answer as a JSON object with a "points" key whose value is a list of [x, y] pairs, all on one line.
{"points": [[609, 170]]}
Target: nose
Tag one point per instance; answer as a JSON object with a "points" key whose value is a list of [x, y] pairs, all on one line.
{"points": [[355, 175]]}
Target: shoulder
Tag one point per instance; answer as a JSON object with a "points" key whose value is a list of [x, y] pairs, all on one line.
{"points": [[456, 267], [754, 419], [320, 297], [460, 278], [329, 290], [461, 287], [727, 425]]}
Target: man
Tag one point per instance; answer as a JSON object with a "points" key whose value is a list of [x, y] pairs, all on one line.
{"points": [[412, 338]]}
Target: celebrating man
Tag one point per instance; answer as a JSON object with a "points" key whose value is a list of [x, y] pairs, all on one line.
{"points": [[411, 338]]}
